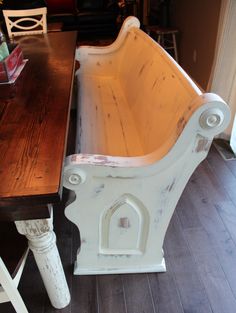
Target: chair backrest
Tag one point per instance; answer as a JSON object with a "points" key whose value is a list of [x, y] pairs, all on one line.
{"points": [[26, 22], [13, 254]]}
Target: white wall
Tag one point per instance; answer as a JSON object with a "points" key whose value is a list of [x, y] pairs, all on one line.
{"points": [[223, 78]]}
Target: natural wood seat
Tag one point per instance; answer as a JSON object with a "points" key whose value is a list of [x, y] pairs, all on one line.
{"points": [[106, 112], [125, 107]]}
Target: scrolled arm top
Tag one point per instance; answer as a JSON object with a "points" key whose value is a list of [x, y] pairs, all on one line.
{"points": [[214, 115]]}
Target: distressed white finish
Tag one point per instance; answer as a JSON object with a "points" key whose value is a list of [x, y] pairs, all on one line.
{"points": [[17, 19], [8, 286], [143, 127], [42, 241]]}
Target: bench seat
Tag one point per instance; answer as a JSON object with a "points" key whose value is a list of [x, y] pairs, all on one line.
{"points": [[106, 113], [143, 127]]}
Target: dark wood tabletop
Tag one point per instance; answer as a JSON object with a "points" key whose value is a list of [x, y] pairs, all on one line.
{"points": [[34, 117]]}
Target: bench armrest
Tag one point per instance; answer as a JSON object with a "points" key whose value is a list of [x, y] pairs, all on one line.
{"points": [[207, 121]]}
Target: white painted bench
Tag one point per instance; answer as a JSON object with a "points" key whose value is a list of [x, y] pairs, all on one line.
{"points": [[143, 127]]}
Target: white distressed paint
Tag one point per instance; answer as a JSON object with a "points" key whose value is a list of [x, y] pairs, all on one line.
{"points": [[143, 127], [16, 21], [42, 242], [8, 286]]}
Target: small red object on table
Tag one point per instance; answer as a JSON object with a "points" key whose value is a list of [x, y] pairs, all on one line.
{"points": [[10, 64]]}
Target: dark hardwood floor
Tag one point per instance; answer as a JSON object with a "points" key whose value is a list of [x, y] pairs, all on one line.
{"points": [[200, 252]]}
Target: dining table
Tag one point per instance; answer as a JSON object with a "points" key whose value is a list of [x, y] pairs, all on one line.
{"points": [[34, 120]]}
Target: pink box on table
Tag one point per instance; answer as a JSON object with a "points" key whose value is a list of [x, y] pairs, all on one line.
{"points": [[10, 64]]}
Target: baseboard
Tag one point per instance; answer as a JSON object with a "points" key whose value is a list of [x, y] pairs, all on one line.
{"points": [[224, 149], [78, 270]]}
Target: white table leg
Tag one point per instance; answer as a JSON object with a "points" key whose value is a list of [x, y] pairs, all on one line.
{"points": [[42, 241]]}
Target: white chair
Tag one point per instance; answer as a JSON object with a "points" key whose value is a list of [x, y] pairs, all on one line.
{"points": [[13, 254], [26, 22]]}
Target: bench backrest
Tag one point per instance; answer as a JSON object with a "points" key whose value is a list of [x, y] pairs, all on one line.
{"points": [[158, 91]]}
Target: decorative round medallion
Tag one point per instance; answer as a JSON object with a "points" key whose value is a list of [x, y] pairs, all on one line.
{"points": [[211, 118], [74, 179]]}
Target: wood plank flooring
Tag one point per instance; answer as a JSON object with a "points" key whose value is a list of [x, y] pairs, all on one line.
{"points": [[200, 252]]}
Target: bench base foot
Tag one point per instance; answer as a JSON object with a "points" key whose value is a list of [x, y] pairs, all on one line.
{"points": [[78, 270]]}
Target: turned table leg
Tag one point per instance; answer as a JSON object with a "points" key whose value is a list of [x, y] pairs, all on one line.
{"points": [[42, 242]]}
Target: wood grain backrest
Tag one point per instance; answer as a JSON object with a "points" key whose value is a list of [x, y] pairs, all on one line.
{"points": [[159, 92]]}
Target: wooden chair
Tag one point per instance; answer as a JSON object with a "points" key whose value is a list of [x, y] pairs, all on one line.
{"points": [[13, 254], [166, 37], [26, 22]]}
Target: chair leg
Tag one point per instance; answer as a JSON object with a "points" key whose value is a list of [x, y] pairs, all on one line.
{"points": [[175, 47], [11, 290], [159, 39]]}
